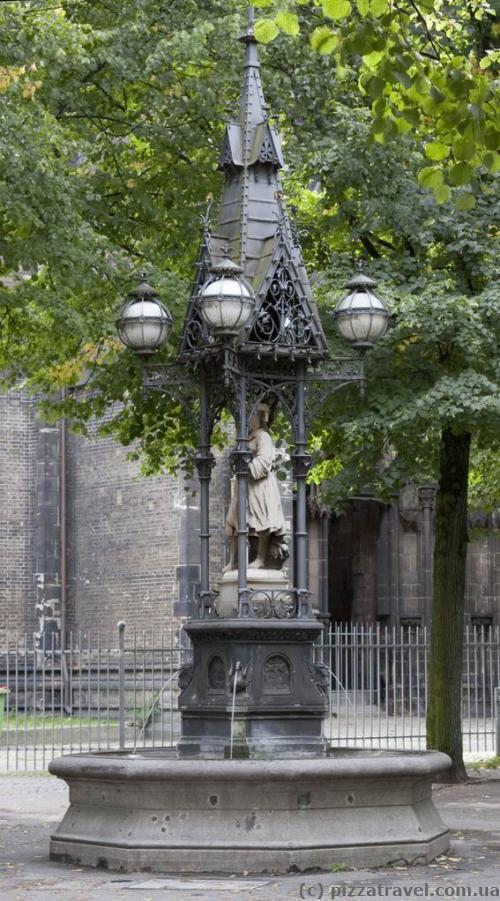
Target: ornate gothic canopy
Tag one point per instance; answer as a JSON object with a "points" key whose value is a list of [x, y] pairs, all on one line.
{"points": [[254, 230]]}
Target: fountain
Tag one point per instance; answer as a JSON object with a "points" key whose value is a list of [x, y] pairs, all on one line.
{"points": [[253, 785]]}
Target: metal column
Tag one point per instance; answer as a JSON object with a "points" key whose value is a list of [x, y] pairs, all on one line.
{"points": [[241, 479], [301, 462], [204, 464]]}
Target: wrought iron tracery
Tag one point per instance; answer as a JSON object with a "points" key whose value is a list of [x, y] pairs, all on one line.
{"points": [[282, 318], [196, 333], [275, 385], [234, 381], [226, 156], [267, 152], [276, 394]]}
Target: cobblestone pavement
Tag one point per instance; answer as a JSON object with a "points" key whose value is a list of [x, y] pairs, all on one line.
{"points": [[31, 806]]}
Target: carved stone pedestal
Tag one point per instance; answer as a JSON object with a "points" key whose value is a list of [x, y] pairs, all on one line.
{"points": [[266, 582], [253, 689]]}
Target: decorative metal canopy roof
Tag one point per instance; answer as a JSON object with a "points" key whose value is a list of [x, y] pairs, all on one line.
{"points": [[253, 228]]}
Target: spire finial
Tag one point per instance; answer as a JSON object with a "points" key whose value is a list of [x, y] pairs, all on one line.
{"points": [[248, 37]]}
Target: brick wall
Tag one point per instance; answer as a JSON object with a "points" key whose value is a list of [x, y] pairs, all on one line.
{"points": [[122, 539], [17, 588], [133, 541]]}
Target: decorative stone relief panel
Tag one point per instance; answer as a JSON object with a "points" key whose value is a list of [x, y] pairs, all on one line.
{"points": [[277, 676]]}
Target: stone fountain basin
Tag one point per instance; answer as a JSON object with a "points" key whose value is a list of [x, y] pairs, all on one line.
{"points": [[152, 811]]}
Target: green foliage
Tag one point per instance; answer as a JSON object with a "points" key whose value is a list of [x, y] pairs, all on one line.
{"points": [[437, 367], [324, 40], [438, 364], [489, 763], [431, 68], [288, 22], [484, 479], [112, 117], [436, 151], [107, 110], [266, 30], [336, 9]]}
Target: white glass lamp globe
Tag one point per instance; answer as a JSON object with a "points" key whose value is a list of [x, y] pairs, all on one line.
{"points": [[144, 324], [226, 300], [361, 317]]}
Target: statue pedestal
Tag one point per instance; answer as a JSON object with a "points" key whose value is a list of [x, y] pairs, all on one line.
{"points": [[262, 580]]}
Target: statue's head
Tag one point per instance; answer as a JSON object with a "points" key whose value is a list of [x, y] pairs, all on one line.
{"points": [[260, 418]]}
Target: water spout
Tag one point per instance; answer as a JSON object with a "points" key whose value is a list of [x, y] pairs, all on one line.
{"points": [[237, 671]]}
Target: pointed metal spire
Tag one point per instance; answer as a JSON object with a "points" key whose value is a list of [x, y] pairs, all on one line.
{"points": [[252, 103], [253, 220]]}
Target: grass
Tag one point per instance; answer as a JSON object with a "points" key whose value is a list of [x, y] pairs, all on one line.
{"points": [[16, 774], [40, 721], [491, 763]]}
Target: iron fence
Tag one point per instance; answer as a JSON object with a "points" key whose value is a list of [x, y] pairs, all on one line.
{"points": [[104, 693], [378, 694]]}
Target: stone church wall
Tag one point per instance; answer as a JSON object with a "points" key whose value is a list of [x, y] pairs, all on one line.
{"points": [[17, 485], [482, 596], [381, 563], [132, 540]]}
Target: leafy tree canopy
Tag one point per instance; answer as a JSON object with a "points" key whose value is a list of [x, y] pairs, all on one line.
{"points": [[425, 66], [112, 118], [437, 267], [112, 115]]}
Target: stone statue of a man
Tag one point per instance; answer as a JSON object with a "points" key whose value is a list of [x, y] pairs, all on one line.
{"points": [[265, 520]]}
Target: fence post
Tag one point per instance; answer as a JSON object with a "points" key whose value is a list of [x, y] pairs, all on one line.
{"points": [[121, 685], [497, 721]]}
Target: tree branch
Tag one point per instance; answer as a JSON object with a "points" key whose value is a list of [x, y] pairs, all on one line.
{"points": [[369, 246]]}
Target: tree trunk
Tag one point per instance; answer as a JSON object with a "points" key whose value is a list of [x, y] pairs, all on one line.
{"points": [[444, 713]]}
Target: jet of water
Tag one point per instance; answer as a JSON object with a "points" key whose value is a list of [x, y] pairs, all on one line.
{"points": [[153, 705], [237, 670]]}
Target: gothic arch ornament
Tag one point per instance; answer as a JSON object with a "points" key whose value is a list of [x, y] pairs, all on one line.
{"points": [[277, 675], [195, 334], [267, 151], [282, 317], [216, 674], [278, 394]]}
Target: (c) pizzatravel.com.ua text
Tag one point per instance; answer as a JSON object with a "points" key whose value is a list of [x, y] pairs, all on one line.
{"points": [[318, 890]]}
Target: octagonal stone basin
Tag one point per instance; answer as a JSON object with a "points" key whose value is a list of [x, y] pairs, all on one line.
{"points": [[152, 811]]}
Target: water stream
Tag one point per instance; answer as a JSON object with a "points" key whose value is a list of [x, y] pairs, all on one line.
{"points": [[339, 683], [140, 735], [237, 670]]}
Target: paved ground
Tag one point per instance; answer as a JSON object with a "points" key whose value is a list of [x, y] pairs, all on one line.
{"points": [[31, 805]]}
